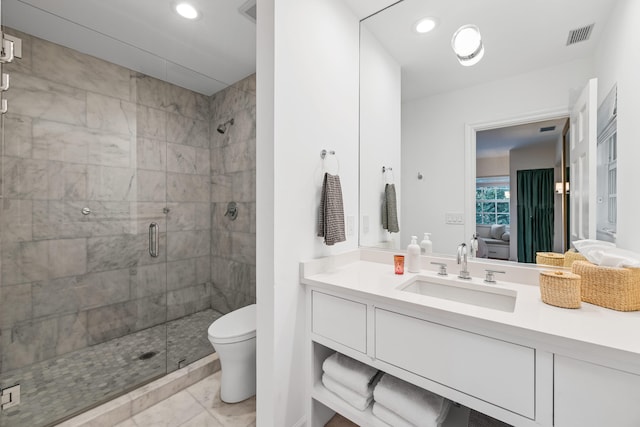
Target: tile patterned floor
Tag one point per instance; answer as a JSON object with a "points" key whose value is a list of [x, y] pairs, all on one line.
{"points": [[56, 388], [197, 406]]}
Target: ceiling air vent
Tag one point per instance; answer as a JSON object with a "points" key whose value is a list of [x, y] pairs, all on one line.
{"points": [[249, 10], [579, 34], [548, 129]]}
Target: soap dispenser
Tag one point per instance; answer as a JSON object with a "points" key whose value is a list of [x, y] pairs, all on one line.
{"points": [[426, 246], [413, 256], [473, 245]]}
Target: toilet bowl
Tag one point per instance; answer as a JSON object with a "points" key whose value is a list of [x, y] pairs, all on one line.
{"points": [[233, 337]]}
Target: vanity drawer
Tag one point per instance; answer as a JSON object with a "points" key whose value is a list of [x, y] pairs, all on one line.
{"points": [[585, 394], [340, 320], [495, 371]]}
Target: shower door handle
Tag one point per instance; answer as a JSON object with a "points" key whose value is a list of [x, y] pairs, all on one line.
{"points": [[153, 239]]}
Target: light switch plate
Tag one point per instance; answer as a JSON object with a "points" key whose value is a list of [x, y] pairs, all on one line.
{"points": [[455, 218]]}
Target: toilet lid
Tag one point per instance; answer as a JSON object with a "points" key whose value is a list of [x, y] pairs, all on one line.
{"points": [[239, 325]]}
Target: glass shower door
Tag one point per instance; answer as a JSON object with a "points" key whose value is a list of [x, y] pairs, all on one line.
{"points": [[83, 301]]}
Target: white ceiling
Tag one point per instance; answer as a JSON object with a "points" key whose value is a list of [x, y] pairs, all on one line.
{"points": [[498, 142], [519, 36], [204, 55]]}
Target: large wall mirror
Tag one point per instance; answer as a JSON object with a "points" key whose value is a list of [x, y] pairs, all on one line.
{"points": [[450, 149]]}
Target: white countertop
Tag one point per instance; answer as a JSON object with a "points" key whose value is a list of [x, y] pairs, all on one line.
{"points": [[590, 329]]}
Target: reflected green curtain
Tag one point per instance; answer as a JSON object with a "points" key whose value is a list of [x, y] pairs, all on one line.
{"points": [[535, 213]]}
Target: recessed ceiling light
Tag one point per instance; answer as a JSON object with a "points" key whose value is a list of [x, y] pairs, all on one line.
{"points": [[187, 11], [425, 25]]}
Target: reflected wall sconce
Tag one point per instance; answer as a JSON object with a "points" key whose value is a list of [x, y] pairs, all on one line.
{"points": [[559, 187], [467, 44], [507, 194]]}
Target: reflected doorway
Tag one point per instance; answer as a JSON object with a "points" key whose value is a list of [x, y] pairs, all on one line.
{"points": [[510, 217]]}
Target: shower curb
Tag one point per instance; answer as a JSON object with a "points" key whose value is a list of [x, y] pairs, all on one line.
{"points": [[136, 401]]}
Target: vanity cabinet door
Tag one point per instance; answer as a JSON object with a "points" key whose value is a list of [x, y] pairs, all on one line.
{"points": [[340, 320], [592, 395], [495, 371]]}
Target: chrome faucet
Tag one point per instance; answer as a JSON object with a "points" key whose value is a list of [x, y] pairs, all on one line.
{"points": [[462, 258]]}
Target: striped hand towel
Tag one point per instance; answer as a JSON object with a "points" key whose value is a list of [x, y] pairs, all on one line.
{"points": [[331, 214]]}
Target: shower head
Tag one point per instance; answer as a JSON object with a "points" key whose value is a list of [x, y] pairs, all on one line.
{"points": [[223, 127]]}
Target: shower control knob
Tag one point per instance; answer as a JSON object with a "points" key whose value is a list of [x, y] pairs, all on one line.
{"points": [[85, 211]]}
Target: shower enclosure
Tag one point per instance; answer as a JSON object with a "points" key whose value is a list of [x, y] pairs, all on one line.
{"points": [[114, 188]]}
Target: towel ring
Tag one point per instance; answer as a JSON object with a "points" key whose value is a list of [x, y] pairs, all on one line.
{"points": [[323, 155]]}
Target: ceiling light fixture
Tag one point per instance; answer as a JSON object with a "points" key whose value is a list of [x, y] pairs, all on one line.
{"points": [[187, 11], [425, 25], [467, 44]]}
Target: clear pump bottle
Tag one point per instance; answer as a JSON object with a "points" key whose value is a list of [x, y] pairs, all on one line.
{"points": [[426, 246]]}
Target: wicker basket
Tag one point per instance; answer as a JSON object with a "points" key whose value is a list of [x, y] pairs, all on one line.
{"points": [[560, 288], [571, 256], [615, 288], [550, 258]]}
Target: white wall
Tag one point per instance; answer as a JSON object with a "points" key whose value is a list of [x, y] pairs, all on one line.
{"points": [[492, 166], [433, 131], [540, 156], [618, 60], [307, 100], [379, 137]]}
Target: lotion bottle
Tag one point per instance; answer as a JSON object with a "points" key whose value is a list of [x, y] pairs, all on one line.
{"points": [[426, 246], [413, 256]]}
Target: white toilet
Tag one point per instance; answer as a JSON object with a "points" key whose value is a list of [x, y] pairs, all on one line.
{"points": [[233, 336]]}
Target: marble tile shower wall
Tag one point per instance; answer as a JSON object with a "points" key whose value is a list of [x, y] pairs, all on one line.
{"points": [[233, 177], [82, 132]]}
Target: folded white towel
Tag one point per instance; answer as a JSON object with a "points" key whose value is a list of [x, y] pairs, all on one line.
{"points": [[607, 254], [416, 405], [354, 399], [581, 245], [389, 416], [616, 257], [351, 373]]}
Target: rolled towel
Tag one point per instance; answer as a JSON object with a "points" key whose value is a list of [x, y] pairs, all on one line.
{"points": [[351, 373], [415, 404], [389, 417], [345, 393]]}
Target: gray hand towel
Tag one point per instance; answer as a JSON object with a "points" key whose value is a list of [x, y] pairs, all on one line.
{"points": [[331, 214], [389, 209]]}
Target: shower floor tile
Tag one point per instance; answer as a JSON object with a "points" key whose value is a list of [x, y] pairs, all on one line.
{"points": [[68, 384]]}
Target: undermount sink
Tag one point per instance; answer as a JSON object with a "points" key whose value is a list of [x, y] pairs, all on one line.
{"points": [[467, 293]]}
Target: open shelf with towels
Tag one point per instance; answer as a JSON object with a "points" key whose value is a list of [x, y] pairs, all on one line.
{"points": [[367, 332], [458, 415]]}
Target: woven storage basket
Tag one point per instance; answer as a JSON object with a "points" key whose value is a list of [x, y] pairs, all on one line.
{"points": [[615, 288], [571, 256], [550, 258], [560, 288]]}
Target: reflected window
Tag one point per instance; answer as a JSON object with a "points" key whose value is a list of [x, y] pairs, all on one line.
{"points": [[492, 200]]}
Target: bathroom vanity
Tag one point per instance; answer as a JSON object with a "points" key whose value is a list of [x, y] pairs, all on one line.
{"points": [[496, 348]]}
